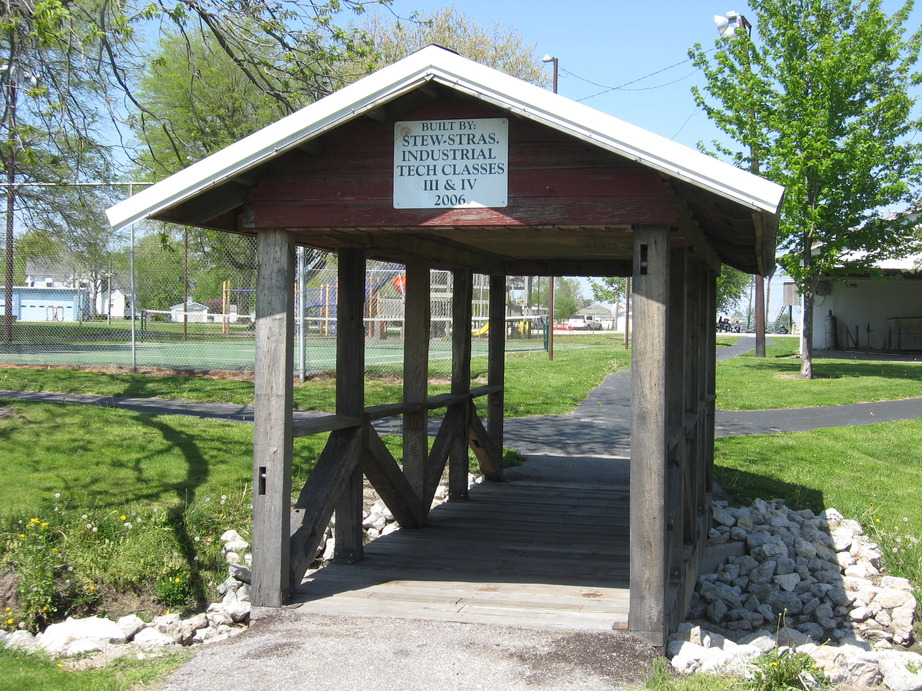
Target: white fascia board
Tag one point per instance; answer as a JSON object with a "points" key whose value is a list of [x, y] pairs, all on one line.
{"points": [[484, 83], [287, 133], [615, 135]]}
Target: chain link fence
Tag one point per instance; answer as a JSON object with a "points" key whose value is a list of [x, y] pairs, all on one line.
{"points": [[164, 297]]}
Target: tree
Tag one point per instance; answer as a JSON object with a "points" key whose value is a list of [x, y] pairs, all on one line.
{"points": [[501, 47], [820, 104], [732, 284]]}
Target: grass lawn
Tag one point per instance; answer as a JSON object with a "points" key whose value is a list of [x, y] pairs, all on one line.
{"points": [[134, 487], [19, 671], [750, 383]]}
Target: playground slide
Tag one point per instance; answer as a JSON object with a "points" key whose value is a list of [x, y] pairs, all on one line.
{"points": [[482, 330]]}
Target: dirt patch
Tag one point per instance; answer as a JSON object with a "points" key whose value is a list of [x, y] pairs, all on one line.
{"points": [[8, 581], [617, 657]]}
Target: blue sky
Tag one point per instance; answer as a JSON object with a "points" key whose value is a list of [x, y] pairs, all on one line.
{"points": [[612, 42], [606, 43]]}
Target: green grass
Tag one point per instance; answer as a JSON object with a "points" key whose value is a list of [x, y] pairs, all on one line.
{"points": [[558, 389], [750, 383], [36, 672]]}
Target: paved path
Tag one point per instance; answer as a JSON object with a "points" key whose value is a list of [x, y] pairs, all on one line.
{"points": [[600, 425]]}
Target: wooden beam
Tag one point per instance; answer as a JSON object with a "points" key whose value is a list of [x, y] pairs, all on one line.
{"points": [[677, 375], [272, 426], [483, 446], [496, 365], [453, 426], [350, 394], [312, 512], [649, 433], [390, 483], [462, 297], [439, 252], [690, 228], [213, 202], [416, 376]]}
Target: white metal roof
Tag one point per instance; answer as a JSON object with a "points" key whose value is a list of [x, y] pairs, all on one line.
{"points": [[464, 75]]}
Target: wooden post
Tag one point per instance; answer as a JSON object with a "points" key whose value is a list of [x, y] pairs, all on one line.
{"points": [[677, 372], [496, 368], [350, 393], [710, 280], [648, 434], [272, 438], [416, 375], [462, 294]]}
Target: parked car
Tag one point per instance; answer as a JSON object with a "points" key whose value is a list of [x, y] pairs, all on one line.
{"points": [[585, 322]]}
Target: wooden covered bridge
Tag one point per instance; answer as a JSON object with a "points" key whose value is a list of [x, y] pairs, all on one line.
{"points": [[439, 162]]}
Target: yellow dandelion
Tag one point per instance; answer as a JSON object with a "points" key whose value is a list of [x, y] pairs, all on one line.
{"points": [[34, 520], [177, 580], [123, 517], [10, 622], [21, 535], [44, 525]]}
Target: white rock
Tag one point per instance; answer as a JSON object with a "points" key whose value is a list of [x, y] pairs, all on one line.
{"points": [[862, 670], [151, 636], [217, 616], [734, 661], [241, 573], [231, 536], [232, 558], [890, 598], [239, 611], [894, 583], [165, 621], [686, 657], [330, 550], [76, 636], [130, 625], [236, 546], [3, 636], [901, 671], [21, 640], [390, 528], [763, 640]]}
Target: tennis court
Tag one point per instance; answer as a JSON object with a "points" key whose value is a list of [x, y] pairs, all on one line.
{"points": [[232, 353]]}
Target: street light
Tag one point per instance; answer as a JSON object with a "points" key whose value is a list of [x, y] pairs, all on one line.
{"points": [[730, 27], [548, 58]]}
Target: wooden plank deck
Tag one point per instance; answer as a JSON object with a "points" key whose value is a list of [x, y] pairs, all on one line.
{"points": [[517, 554]]}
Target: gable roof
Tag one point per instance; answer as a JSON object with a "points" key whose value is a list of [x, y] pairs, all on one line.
{"points": [[443, 67]]}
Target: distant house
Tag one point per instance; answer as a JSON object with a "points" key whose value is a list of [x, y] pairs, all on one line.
{"points": [[48, 304], [51, 293], [194, 311]]}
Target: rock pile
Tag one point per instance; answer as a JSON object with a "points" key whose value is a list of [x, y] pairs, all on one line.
{"points": [[820, 572], [853, 662], [223, 619], [808, 582]]}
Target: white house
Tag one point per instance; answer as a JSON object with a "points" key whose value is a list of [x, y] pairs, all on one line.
{"points": [[194, 311]]}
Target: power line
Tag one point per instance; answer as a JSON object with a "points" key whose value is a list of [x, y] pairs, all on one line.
{"points": [[606, 89]]}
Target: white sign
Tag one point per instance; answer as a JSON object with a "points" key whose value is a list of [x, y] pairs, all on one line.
{"points": [[451, 164]]}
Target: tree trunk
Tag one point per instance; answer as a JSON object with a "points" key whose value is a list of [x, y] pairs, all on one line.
{"points": [[806, 337]]}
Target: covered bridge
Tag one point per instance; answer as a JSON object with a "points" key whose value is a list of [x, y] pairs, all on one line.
{"points": [[439, 162]]}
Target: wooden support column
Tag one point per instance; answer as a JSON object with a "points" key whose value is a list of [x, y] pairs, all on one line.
{"points": [[350, 394], [648, 434], [677, 366], [416, 376], [496, 368], [710, 280], [463, 292], [272, 438]]}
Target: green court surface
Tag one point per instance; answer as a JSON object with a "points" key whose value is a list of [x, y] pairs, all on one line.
{"points": [[228, 354]]}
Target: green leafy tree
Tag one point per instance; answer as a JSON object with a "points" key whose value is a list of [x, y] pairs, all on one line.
{"points": [[732, 285], [820, 103], [500, 46]]}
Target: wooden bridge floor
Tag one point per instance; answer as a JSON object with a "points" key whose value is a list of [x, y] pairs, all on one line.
{"points": [[517, 554]]}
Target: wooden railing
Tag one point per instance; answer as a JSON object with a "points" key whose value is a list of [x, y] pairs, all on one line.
{"points": [[354, 442]]}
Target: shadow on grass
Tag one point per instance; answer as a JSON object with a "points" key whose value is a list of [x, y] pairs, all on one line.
{"points": [[197, 472], [746, 486]]}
